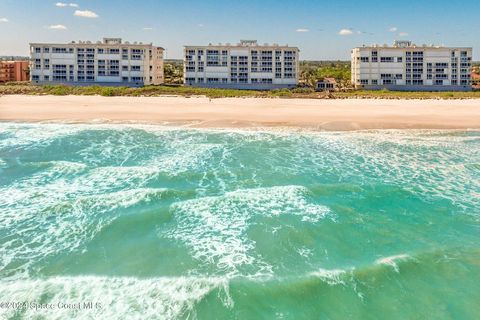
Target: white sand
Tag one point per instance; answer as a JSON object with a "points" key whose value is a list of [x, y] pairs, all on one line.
{"points": [[345, 114]]}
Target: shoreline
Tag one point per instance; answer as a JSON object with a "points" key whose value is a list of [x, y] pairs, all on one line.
{"points": [[202, 112]]}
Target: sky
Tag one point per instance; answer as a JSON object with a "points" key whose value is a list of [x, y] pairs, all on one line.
{"points": [[323, 30]]}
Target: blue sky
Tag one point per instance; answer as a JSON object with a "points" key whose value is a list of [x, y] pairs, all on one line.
{"points": [[321, 29]]}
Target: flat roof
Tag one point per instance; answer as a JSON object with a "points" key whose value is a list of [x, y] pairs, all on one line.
{"points": [[86, 44], [410, 47], [242, 44]]}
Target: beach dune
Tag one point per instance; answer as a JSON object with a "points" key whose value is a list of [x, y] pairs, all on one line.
{"points": [[345, 114]]}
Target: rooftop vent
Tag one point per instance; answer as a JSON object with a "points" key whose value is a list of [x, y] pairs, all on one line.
{"points": [[112, 40], [248, 42], [402, 44]]}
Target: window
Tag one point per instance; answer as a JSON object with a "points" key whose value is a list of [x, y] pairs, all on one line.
{"points": [[124, 68], [364, 81], [59, 50], [364, 59], [38, 50], [399, 59], [135, 68], [100, 50], [46, 50], [386, 59]]}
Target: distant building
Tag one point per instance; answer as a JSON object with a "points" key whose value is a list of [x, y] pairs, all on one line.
{"points": [[246, 65], [109, 62], [14, 71], [327, 84], [405, 66]]}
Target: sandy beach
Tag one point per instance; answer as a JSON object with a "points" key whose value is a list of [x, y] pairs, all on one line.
{"points": [[348, 114]]}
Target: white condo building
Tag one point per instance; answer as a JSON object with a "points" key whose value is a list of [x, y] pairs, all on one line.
{"points": [[246, 65], [107, 62], [407, 67]]}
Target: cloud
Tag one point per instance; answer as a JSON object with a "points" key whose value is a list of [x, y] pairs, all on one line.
{"points": [[3, 20], [302, 30], [63, 5], [201, 25], [393, 29], [85, 14], [345, 32], [57, 27], [403, 34], [148, 28]]}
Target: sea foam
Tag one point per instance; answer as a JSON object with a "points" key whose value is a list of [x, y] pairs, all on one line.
{"points": [[128, 298], [215, 228]]}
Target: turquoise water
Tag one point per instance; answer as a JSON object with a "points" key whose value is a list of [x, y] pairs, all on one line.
{"points": [[155, 222]]}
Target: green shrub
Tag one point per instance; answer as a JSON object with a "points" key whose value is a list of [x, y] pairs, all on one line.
{"points": [[280, 92], [107, 92], [303, 90]]}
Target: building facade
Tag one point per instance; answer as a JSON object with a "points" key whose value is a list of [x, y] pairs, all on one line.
{"points": [[107, 62], [326, 84], [14, 71], [407, 67], [246, 65]]}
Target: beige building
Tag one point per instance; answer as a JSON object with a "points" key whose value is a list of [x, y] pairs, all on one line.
{"points": [[246, 65], [405, 66], [14, 71], [107, 62]]}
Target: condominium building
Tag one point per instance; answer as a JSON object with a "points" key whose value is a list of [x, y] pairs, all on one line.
{"points": [[14, 71], [246, 65], [107, 62], [407, 67]]}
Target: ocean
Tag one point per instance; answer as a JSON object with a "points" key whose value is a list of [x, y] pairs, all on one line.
{"points": [[134, 221]]}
